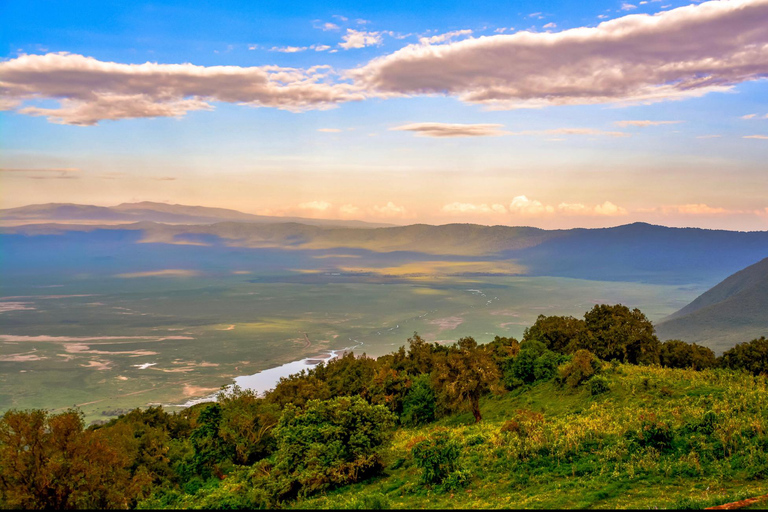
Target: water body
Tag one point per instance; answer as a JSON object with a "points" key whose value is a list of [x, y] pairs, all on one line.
{"points": [[266, 380]]}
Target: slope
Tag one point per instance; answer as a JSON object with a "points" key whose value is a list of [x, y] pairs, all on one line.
{"points": [[734, 311]]}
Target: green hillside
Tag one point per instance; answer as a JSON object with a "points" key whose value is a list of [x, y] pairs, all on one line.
{"points": [[733, 311], [592, 413]]}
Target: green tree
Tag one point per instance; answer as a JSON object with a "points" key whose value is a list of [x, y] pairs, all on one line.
{"points": [[329, 443], [419, 404], [616, 332], [751, 356], [557, 333], [679, 354], [464, 374], [246, 425]]}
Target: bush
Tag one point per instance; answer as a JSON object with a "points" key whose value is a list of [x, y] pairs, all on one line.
{"points": [[652, 433], [437, 456], [752, 357], [419, 403], [533, 363], [329, 443], [598, 385], [581, 368], [679, 354]]}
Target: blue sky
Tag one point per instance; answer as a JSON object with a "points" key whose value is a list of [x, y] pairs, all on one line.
{"points": [[529, 113]]}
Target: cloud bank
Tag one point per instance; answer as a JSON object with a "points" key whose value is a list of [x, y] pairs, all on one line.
{"points": [[640, 58], [90, 90]]}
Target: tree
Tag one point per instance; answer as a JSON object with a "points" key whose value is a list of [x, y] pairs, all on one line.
{"points": [[580, 369], [419, 403], [329, 443], [464, 375], [679, 354], [50, 461], [616, 332], [751, 356], [558, 333], [533, 363], [246, 425]]}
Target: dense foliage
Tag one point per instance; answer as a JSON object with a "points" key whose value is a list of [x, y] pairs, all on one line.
{"points": [[355, 418]]}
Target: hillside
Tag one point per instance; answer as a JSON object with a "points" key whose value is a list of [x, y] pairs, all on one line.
{"points": [[734, 311], [152, 212], [634, 253]]}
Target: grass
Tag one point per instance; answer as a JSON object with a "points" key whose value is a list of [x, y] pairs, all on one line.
{"points": [[581, 454]]}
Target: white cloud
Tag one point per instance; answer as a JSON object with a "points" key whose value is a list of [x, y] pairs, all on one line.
{"points": [[761, 137], [521, 205], [318, 206], [463, 208], [609, 209], [639, 58], [288, 49], [330, 26], [359, 39], [697, 209], [713, 136], [388, 210], [643, 124], [749, 116], [550, 25], [329, 130], [441, 38], [452, 130], [320, 47], [627, 7], [90, 90]]}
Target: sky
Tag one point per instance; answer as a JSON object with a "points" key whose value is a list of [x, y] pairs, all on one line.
{"points": [[541, 113]]}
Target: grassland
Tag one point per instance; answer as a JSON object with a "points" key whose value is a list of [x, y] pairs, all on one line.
{"points": [[570, 449], [89, 341]]}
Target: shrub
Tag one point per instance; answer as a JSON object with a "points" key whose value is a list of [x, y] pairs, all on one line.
{"points": [[652, 433], [419, 403], [437, 456], [524, 423], [598, 385], [581, 368], [533, 363], [329, 443]]}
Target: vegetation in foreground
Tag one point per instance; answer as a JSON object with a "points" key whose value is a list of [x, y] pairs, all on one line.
{"points": [[592, 412]]}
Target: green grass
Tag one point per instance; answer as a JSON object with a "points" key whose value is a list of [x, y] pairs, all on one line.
{"points": [[581, 456]]}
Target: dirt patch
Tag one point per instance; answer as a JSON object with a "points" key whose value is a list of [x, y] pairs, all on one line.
{"points": [[20, 358], [98, 365], [190, 390], [82, 348], [90, 339]]}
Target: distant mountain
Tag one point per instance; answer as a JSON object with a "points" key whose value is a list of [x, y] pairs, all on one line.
{"points": [[634, 253], [734, 311], [155, 212]]}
